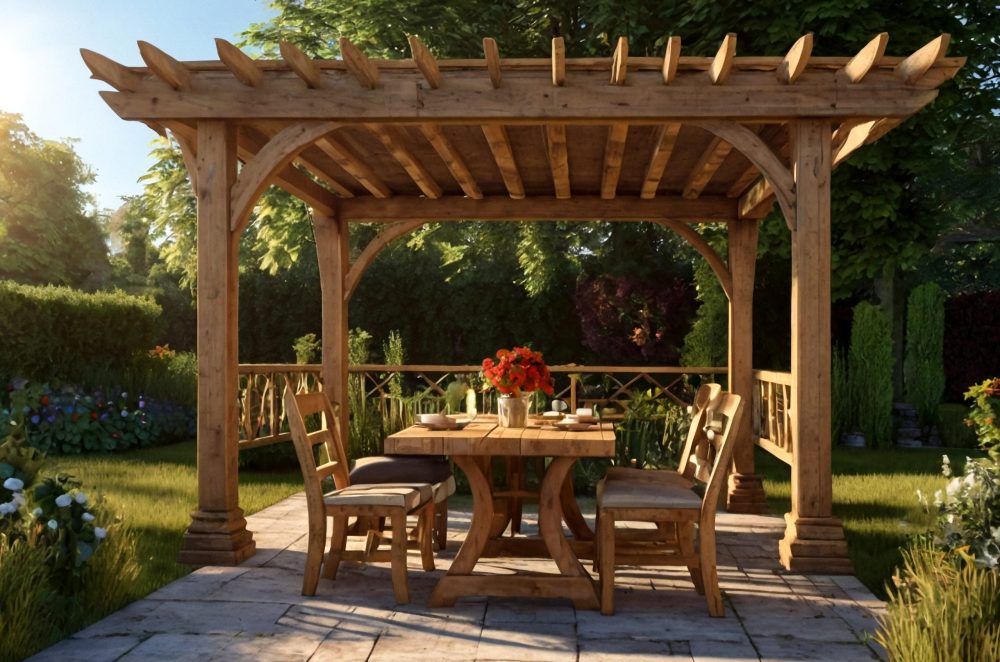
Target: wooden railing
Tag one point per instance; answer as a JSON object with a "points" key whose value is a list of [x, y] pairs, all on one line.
{"points": [[262, 417], [772, 408]]}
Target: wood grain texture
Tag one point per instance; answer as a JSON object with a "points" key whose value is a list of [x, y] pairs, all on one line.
{"points": [[663, 148], [619, 62], [453, 159], [358, 64], [868, 57], [558, 61], [558, 152], [671, 58], [706, 166], [426, 62], [114, 74], [796, 59], [392, 139], [239, 63], [915, 67], [614, 153], [499, 142], [722, 64], [303, 65], [492, 55], [351, 161], [164, 67]]}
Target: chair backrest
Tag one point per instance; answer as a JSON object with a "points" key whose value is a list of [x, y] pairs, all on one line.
{"points": [[309, 406], [690, 458], [723, 418]]}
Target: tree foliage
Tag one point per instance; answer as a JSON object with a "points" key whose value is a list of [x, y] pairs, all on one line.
{"points": [[47, 233], [923, 368]]}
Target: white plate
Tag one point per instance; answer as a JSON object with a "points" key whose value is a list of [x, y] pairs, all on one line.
{"points": [[458, 425], [574, 427]]}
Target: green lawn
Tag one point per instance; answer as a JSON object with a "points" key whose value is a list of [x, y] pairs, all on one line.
{"points": [[874, 494], [155, 489]]}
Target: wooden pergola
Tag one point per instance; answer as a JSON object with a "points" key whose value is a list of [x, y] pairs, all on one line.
{"points": [[673, 140]]}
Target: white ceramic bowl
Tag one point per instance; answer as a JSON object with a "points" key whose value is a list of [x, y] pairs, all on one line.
{"points": [[434, 419], [584, 411]]}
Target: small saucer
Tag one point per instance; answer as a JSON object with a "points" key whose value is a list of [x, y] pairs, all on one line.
{"points": [[457, 425]]}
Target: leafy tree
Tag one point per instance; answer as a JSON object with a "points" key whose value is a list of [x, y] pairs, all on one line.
{"points": [[47, 233]]}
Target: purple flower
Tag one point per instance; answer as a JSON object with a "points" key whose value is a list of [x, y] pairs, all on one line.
{"points": [[142, 404], [35, 419], [104, 416], [124, 414], [50, 419]]}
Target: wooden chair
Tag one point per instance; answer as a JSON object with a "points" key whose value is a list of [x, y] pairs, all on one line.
{"points": [[391, 501], [666, 502]]}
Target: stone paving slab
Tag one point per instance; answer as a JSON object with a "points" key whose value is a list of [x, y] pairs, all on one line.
{"points": [[256, 611]]}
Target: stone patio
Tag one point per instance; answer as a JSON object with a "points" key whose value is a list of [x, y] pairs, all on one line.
{"points": [[256, 610]]}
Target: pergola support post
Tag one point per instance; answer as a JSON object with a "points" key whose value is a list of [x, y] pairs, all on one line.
{"points": [[746, 490], [333, 252], [814, 539], [217, 534]]}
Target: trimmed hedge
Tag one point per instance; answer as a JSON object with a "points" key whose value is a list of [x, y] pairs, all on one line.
{"points": [[971, 329], [59, 333]]}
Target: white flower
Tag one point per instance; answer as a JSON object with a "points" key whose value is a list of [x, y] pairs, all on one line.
{"points": [[953, 487], [18, 498], [100, 533], [63, 500], [87, 517], [945, 466], [37, 512], [938, 498], [921, 497], [53, 524], [14, 484], [81, 498], [971, 480]]}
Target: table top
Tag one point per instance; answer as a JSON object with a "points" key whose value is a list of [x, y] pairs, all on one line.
{"points": [[484, 437]]}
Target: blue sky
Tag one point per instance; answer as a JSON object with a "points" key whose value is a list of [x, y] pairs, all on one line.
{"points": [[43, 78]]}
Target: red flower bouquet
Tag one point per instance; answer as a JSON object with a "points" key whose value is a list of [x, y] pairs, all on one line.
{"points": [[518, 371]]}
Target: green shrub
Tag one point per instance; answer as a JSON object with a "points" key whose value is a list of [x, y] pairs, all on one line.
{"points": [[306, 348], [57, 332], [706, 344], [923, 366], [869, 370], [944, 609], [840, 396], [955, 432], [29, 608]]}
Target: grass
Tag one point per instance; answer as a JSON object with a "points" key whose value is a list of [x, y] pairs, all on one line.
{"points": [[155, 489], [874, 494]]}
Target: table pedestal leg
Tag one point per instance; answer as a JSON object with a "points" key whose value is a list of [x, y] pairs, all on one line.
{"points": [[571, 510]]}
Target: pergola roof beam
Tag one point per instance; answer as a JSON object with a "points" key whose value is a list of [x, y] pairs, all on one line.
{"points": [[393, 141], [671, 58], [303, 65], [706, 209], [915, 67], [867, 58], [425, 61], [558, 61], [170, 71], [116, 75], [452, 159], [666, 137], [703, 171], [558, 152], [614, 153], [619, 62], [796, 59], [345, 156], [244, 68], [492, 55], [722, 63], [358, 64], [496, 137]]}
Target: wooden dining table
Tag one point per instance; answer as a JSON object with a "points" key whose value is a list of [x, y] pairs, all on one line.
{"points": [[472, 449]]}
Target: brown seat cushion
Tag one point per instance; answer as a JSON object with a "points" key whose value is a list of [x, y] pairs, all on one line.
{"points": [[659, 476], [400, 469]]}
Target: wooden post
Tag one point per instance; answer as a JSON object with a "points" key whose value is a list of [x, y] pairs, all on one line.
{"points": [[217, 534], [746, 491], [333, 250], [814, 539]]}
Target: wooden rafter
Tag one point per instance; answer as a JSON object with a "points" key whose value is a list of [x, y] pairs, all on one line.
{"points": [[769, 134], [555, 140], [619, 62], [917, 65], [722, 64], [303, 65], [496, 137], [425, 62], [492, 55], [358, 64], [709, 162], [868, 57], [348, 159], [558, 61], [242, 65], [796, 59], [666, 137], [705, 209], [164, 67], [614, 152], [393, 141], [671, 57], [452, 159], [117, 76], [251, 140]]}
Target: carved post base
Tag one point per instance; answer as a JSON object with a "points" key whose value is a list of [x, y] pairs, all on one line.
{"points": [[217, 538], [814, 545], [746, 494]]}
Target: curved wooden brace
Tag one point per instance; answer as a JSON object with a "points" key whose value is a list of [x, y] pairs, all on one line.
{"points": [[388, 235], [697, 242], [190, 154], [770, 166], [275, 155]]}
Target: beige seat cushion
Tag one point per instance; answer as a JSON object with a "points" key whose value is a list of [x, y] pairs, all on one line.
{"points": [[444, 489], [645, 494], [395, 495], [665, 476]]}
